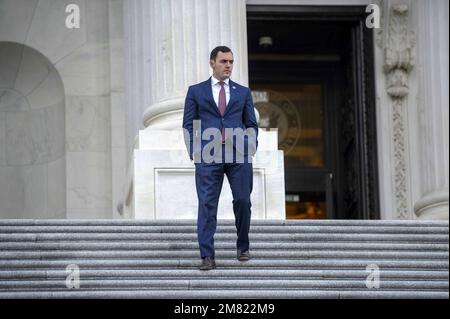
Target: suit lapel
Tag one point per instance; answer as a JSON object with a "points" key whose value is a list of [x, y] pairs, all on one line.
{"points": [[233, 93]]}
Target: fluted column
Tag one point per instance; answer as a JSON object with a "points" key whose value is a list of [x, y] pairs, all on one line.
{"points": [[178, 37], [433, 68]]}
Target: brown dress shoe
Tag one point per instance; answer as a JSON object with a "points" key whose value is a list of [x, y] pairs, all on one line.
{"points": [[243, 255], [208, 263]]}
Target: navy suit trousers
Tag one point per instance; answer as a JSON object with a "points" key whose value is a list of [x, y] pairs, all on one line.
{"points": [[209, 180]]}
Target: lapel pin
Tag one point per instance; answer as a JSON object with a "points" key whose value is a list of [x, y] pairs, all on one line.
{"points": [[234, 88]]}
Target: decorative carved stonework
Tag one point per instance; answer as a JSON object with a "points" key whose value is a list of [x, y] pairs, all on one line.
{"points": [[400, 167], [398, 44], [398, 53]]}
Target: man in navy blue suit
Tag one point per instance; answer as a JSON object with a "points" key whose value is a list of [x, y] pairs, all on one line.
{"points": [[221, 109]]}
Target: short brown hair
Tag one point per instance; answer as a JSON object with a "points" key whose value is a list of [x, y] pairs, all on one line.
{"points": [[218, 49]]}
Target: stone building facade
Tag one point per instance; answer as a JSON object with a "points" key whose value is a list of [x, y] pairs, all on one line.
{"points": [[74, 101]]}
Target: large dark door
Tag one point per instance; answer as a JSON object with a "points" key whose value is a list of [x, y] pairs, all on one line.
{"points": [[358, 130], [314, 83]]}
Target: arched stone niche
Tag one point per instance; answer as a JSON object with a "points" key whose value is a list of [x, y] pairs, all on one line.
{"points": [[32, 135]]}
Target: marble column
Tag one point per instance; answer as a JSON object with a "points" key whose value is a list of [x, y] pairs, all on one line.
{"points": [[433, 68], [176, 39], [169, 43]]}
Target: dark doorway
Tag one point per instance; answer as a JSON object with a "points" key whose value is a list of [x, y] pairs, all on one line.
{"points": [[311, 73]]}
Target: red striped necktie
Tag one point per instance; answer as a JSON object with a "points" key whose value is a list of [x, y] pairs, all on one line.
{"points": [[222, 106]]}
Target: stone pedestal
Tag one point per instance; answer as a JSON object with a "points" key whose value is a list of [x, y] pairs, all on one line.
{"points": [[163, 186], [179, 38]]}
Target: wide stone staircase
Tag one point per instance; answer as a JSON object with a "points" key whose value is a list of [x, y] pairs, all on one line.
{"points": [[159, 259]]}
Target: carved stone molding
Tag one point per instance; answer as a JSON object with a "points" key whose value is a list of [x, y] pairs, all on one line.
{"points": [[397, 40], [400, 166], [398, 52]]}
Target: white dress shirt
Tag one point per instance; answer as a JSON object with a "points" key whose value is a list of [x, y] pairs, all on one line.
{"points": [[216, 89]]}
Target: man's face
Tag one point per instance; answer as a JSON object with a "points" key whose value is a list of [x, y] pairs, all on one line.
{"points": [[222, 65]]}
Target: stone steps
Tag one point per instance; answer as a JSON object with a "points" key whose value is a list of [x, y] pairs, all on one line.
{"points": [[170, 246], [168, 237], [220, 222], [224, 229], [159, 259], [222, 254], [225, 263], [225, 294], [246, 273], [165, 284]]}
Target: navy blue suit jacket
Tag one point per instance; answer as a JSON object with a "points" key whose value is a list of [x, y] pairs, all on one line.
{"points": [[239, 113]]}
